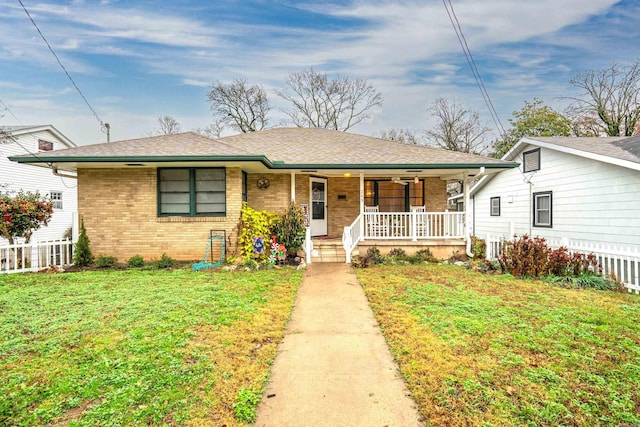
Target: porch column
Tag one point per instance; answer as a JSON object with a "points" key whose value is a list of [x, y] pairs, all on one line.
{"points": [[361, 205], [293, 186]]}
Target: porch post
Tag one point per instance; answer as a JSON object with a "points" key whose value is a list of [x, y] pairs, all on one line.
{"points": [[361, 204], [293, 186]]}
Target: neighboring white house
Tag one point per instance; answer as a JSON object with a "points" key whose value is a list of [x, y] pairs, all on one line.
{"points": [[16, 140], [585, 189]]}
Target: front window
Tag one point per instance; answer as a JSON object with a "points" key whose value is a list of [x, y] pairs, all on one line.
{"points": [[56, 199], [192, 192], [392, 196], [542, 209]]}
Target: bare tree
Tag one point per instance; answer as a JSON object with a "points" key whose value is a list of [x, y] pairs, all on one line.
{"points": [[334, 103], [613, 95], [167, 125], [401, 135], [585, 124], [457, 128], [239, 106], [214, 130]]}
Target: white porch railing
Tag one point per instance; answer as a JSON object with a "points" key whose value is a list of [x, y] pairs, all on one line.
{"points": [[412, 226], [618, 261], [26, 257], [351, 236]]}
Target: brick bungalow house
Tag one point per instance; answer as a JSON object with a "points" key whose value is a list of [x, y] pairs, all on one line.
{"points": [[164, 194]]}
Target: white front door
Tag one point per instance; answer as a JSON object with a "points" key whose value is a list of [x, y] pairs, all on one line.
{"points": [[318, 206]]}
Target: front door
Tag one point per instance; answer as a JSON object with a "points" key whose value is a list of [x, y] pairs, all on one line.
{"points": [[318, 207]]}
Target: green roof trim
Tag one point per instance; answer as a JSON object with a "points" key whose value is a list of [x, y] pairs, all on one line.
{"points": [[255, 158]]}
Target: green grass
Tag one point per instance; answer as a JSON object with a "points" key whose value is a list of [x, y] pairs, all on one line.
{"points": [[492, 350], [138, 347]]}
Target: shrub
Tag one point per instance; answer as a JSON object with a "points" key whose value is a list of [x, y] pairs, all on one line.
{"points": [[82, 255], [165, 261], [290, 229], [374, 255], [478, 248], [105, 261], [135, 261], [398, 253], [253, 224], [525, 256], [426, 255]]}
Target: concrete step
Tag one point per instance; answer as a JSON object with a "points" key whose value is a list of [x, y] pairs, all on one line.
{"points": [[328, 252]]}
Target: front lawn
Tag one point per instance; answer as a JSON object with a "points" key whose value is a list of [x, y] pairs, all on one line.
{"points": [[491, 350], [133, 347]]}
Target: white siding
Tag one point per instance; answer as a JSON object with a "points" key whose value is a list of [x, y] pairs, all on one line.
{"points": [[34, 178], [592, 201]]}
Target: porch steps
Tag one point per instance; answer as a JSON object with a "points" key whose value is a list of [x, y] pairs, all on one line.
{"points": [[328, 251]]}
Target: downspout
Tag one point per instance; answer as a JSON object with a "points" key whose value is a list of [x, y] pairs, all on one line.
{"points": [[56, 173], [467, 232]]}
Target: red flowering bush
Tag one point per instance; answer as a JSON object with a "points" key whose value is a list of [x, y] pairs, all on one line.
{"points": [[23, 214]]}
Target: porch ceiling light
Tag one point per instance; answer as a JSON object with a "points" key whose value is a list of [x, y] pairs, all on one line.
{"points": [[415, 179], [347, 174]]}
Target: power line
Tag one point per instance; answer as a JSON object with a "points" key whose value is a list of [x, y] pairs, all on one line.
{"points": [[6, 107], [472, 64], [104, 127]]}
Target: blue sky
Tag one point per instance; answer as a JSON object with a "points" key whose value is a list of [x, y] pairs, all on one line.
{"points": [[136, 60]]}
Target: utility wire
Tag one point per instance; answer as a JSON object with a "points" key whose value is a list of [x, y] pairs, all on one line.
{"points": [[104, 127], [6, 108], [472, 64]]}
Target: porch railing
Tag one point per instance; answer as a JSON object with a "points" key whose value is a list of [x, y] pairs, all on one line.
{"points": [[413, 225], [402, 225], [351, 236], [25, 257]]}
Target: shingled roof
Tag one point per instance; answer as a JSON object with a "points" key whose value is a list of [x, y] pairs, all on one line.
{"points": [[277, 148], [621, 148]]}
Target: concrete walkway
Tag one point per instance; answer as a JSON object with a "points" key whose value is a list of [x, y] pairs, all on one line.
{"points": [[333, 366]]}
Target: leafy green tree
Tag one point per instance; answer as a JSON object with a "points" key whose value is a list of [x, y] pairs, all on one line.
{"points": [[534, 119], [23, 214]]}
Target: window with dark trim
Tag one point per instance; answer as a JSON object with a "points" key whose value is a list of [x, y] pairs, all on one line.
{"points": [[531, 160], [244, 186], [495, 206], [542, 209], [192, 192], [391, 196], [56, 199], [45, 145]]}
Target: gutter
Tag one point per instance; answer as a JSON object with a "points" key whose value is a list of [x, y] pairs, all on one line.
{"points": [[62, 175]]}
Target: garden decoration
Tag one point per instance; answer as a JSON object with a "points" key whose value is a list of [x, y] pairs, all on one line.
{"points": [[258, 245], [205, 263], [278, 252]]}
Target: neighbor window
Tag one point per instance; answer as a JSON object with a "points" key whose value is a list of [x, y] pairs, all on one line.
{"points": [[45, 145], [542, 209], [531, 160], [56, 199], [495, 206], [192, 192]]}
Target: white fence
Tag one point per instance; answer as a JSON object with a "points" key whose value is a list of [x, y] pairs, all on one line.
{"points": [[617, 262], [413, 225], [25, 257]]}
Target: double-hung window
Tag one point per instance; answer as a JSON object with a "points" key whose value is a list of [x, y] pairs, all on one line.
{"points": [[495, 206], [542, 204], [56, 199], [192, 192]]}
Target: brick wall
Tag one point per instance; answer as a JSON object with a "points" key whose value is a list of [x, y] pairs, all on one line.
{"points": [[119, 209], [435, 194], [275, 198], [342, 212]]}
